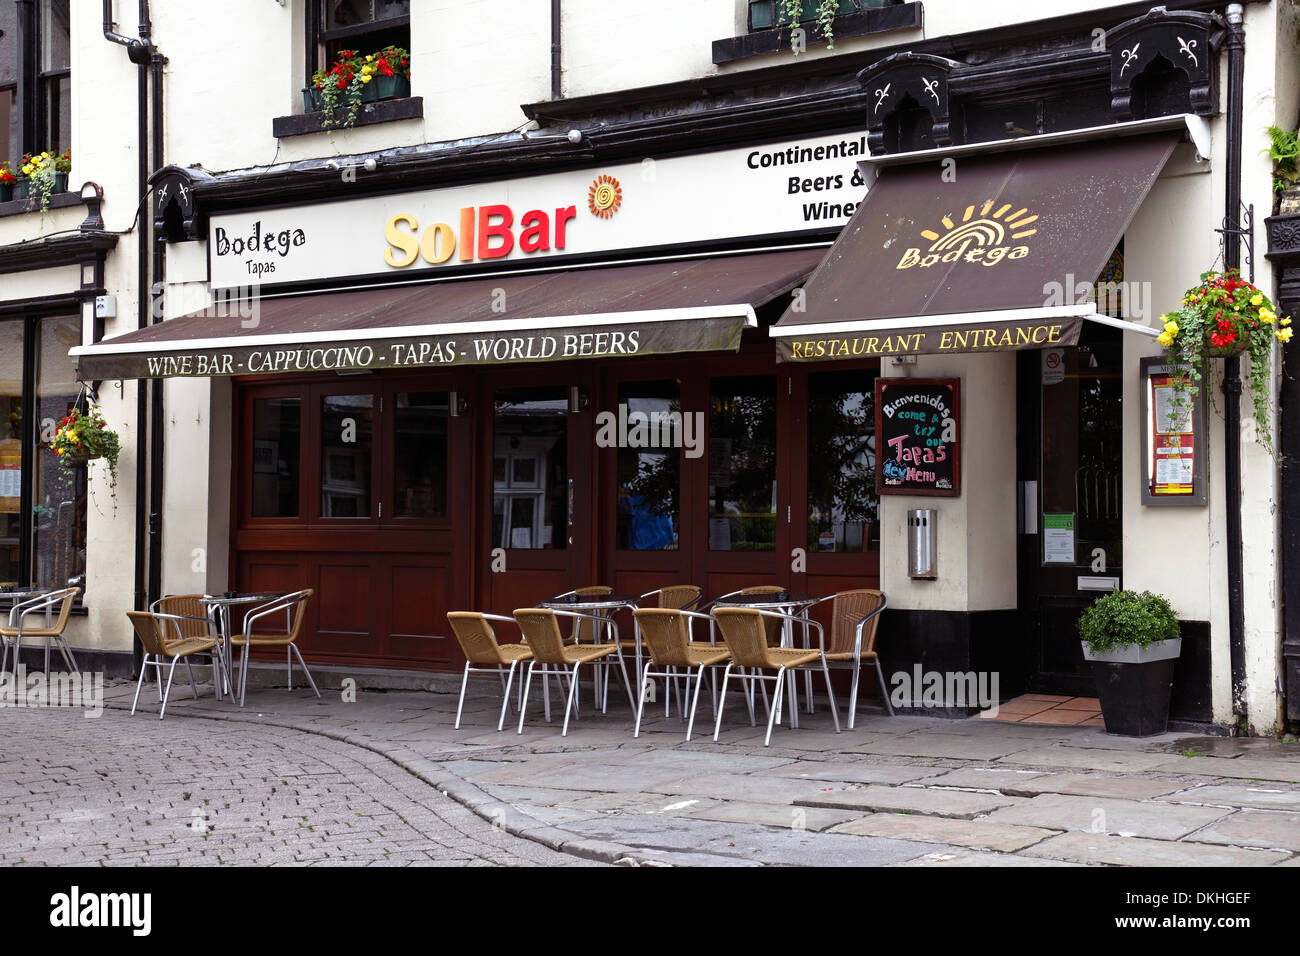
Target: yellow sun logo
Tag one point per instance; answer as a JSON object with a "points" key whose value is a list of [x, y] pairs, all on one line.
{"points": [[989, 229], [604, 196]]}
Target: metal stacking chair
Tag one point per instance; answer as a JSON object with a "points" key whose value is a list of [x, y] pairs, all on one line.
{"points": [[666, 635], [483, 655], [190, 618], [294, 607], [162, 637], [855, 619], [542, 632], [18, 628], [744, 629]]}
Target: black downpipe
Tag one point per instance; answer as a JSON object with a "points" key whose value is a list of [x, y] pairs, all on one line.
{"points": [[556, 62], [1236, 45], [156, 425], [139, 52]]}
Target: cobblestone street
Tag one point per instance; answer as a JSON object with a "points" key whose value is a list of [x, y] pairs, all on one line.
{"points": [[116, 790]]}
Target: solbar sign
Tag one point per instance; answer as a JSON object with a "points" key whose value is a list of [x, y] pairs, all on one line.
{"points": [[804, 187]]}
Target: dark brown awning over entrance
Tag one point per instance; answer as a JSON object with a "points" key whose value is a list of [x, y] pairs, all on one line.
{"points": [[973, 254], [655, 308]]}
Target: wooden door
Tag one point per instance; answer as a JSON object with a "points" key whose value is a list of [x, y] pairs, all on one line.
{"points": [[535, 489]]}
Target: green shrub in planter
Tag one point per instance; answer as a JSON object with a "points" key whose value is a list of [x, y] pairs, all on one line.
{"points": [[1126, 617], [1132, 641]]}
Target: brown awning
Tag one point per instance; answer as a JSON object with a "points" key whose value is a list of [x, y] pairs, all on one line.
{"points": [[976, 253], [654, 308]]}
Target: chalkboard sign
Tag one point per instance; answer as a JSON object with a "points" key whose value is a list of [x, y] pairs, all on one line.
{"points": [[918, 437]]}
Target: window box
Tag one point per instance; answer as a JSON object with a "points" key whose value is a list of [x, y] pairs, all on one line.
{"points": [[865, 18], [384, 111]]}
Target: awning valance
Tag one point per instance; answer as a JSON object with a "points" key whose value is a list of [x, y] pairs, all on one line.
{"points": [[652, 308], [981, 253]]}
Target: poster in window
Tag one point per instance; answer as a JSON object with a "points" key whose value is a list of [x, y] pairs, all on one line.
{"points": [[1173, 437], [918, 436]]}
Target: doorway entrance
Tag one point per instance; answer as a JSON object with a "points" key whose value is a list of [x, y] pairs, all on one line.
{"points": [[1070, 423]]}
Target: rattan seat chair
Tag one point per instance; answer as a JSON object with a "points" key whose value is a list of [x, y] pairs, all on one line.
{"points": [[191, 620], [551, 655], [295, 608], [745, 631], [484, 655], [17, 628], [855, 619], [666, 636], [773, 628], [162, 637]]}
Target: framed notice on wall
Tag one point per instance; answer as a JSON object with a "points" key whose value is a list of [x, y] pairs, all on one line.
{"points": [[1173, 436], [918, 436]]}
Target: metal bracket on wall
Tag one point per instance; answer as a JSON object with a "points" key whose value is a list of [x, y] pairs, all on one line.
{"points": [[1247, 235]]}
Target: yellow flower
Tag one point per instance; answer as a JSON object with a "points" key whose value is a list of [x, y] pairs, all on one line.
{"points": [[1256, 299], [1283, 335], [1165, 338], [365, 78], [1286, 321], [1171, 327], [1267, 315]]}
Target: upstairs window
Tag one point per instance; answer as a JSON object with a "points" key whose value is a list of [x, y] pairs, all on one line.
{"points": [[54, 77], [366, 26]]}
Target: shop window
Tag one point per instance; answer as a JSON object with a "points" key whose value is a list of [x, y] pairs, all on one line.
{"points": [[530, 469], [742, 464], [42, 520], [366, 26], [649, 466], [347, 431], [420, 455], [843, 509], [277, 432]]}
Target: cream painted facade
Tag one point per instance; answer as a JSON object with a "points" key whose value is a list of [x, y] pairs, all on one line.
{"points": [[232, 70]]}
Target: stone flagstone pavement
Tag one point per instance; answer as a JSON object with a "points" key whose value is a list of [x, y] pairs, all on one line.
{"points": [[910, 791]]}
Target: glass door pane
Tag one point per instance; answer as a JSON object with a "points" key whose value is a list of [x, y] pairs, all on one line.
{"points": [[420, 455], [530, 469], [649, 466], [842, 501], [742, 464], [277, 432], [346, 439]]}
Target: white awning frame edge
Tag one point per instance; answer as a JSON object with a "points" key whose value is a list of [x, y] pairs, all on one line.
{"points": [[1081, 311], [499, 326]]}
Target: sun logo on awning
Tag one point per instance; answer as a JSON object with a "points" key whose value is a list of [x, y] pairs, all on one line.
{"points": [[604, 196], [989, 229]]}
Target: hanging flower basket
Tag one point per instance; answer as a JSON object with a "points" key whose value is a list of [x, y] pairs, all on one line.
{"points": [[82, 437], [1222, 317]]}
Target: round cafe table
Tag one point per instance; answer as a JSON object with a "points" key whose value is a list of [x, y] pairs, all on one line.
{"points": [[604, 606], [219, 606], [785, 602]]}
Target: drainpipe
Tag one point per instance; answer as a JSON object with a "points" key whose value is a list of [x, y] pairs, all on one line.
{"points": [[139, 51], [1236, 45], [556, 91], [157, 429]]}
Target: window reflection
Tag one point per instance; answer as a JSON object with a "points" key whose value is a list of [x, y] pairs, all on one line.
{"points": [[277, 427], [649, 474], [742, 464], [11, 450], [59, 492], [346, 430], [420, 455], [530, 469], [842, 504]]}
